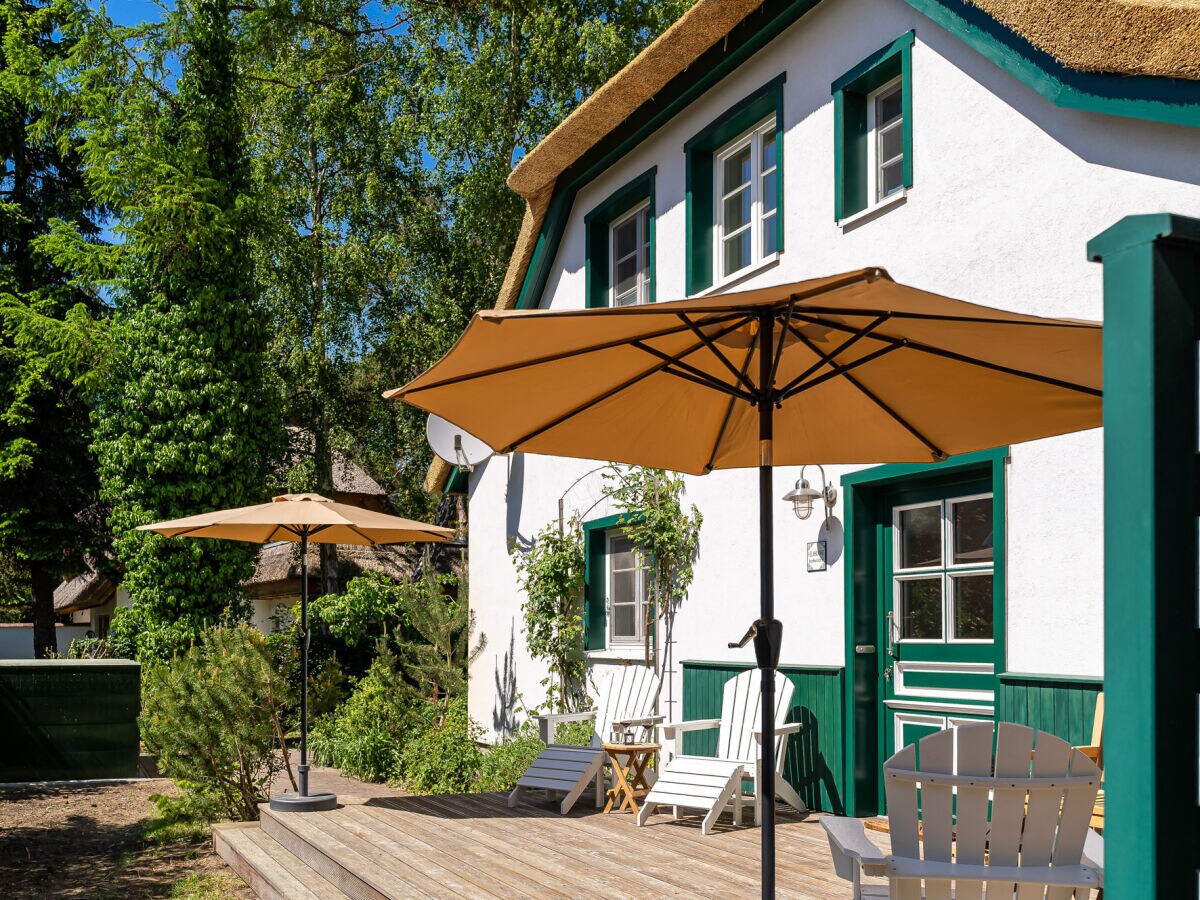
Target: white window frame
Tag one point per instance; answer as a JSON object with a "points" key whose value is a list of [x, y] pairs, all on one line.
{"points": [[639, 620], [754, 138], [948, 570], [875, 182], [643, 245]]}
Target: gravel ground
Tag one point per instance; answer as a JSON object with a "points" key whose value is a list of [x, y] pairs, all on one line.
{"points": [[85, 840]]}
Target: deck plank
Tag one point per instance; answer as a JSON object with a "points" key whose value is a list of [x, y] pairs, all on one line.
{"points": [[474, 845]]}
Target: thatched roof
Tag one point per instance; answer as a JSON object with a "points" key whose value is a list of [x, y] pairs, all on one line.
{"points": [[349, 478], [1120, 37], [85, 591], [277, 572]]}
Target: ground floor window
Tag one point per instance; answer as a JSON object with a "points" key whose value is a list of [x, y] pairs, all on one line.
{"points": [[615, 586]]}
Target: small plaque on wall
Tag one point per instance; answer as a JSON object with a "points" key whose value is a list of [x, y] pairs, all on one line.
{"points": [[816, 556]]}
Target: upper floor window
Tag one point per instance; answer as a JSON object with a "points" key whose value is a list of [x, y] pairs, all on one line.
{"points": [[734, 190], [872, 107], [630, 254], [885, 124], [619, 254], [747, 174]]}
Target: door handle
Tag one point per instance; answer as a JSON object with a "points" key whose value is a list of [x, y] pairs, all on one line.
{"points": [[891, 634]]}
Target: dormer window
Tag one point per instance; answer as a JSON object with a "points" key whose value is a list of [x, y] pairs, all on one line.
{"points": [[630, 254], [620, 246]]}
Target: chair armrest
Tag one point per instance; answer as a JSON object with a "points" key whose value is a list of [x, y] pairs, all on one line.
{"points": [[789, 728], [1091, 752], [850, 846], [548, 722], [695, 725]]}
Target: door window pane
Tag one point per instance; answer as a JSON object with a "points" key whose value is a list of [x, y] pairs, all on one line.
{"points": [[973, 609], [972, 525], [921, 609], [921, 537]]}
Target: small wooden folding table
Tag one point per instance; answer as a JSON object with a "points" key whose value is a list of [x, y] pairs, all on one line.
{"points": [[629, 763]]}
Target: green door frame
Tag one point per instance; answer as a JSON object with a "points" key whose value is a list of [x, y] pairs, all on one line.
{"points": [[864, 741], [1151, 327]]}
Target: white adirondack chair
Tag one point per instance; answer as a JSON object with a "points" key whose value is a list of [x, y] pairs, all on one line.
{"points": [[625, 696], [1018, 822], [713, 784]]}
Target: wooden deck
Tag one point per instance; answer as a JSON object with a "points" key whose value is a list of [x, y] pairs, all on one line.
{"points": [[475, 846]]}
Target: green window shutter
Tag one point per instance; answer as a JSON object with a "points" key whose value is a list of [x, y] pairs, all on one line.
{"points": [[851, 178], [597, 266], [742, 116], [595, 618]]}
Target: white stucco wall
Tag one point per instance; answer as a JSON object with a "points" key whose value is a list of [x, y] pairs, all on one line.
{"points": [[1008, 190], [16, 640]]}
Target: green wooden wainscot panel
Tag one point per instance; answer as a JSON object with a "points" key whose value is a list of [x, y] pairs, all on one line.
{"points": [[69, 719], [1062, 705], [816, 755]]}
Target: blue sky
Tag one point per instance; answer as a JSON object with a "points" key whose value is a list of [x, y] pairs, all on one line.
{"points": [[130, 12]]}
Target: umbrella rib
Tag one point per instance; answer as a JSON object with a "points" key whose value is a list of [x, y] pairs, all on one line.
{"points": [[938, 453], [968, 360], [554, 357], [791, 308], [712, 347], [554, 423], [691, 373], [839, 369], [832, 354], [712, 457]]}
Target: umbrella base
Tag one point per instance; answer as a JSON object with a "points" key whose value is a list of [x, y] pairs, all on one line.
{"points": [[315, 802]]}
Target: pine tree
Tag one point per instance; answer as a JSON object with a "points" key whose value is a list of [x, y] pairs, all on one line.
{"points": [[50, 340]]}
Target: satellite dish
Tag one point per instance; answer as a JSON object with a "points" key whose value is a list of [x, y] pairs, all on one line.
{"points": [[455, 445]]}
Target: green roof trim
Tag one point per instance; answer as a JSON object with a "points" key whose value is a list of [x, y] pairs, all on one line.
{"points": [[1170, 100], [457, 481]]}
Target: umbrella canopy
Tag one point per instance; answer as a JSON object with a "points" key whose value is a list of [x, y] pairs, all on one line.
{"points": [[863, 370], [292, 516]]}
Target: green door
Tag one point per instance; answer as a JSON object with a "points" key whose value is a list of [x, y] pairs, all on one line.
{"points": [[939, 609]]}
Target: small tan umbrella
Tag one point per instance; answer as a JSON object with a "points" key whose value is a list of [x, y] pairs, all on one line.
{"points": [[303, 518], [852, 368]]}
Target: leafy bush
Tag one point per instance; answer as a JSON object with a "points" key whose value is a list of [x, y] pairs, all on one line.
{"points": [[369, 607], [442, 758], [363, 736], [212, 716], [507, 761]]}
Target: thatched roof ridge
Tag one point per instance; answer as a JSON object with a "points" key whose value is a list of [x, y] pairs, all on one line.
{"points": [[85, 591]]}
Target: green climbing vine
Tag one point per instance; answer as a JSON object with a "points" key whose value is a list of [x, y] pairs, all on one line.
{"points": [[551, 574]]}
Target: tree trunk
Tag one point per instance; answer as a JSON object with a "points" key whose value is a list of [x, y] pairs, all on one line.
{"points": [[45, 641]]}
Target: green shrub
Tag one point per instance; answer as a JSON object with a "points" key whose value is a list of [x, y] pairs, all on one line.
{"points": [[442, 758], [506, 762], [363, 736], [212, 716]]}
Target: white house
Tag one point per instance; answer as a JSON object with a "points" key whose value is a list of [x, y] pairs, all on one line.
{"points": [[763, 143]]}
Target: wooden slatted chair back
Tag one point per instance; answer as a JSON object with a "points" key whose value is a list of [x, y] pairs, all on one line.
{"points": [[1028, 805], [741, 717], [627, 692]]}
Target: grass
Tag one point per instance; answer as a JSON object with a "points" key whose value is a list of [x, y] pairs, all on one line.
{"points": [[207, 886]]}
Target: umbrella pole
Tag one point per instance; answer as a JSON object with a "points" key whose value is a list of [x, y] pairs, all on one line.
{"points": [[766, 641], [303, 767], [302, 800]]}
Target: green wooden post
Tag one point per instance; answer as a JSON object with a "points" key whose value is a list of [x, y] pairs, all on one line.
{"points": [[1151, 296]]}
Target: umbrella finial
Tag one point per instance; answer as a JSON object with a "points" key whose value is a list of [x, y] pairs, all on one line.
{"points": [[315, 498]]}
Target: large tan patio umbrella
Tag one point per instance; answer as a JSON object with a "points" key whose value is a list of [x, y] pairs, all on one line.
{"points": [[303, 518], [848, 369]]}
